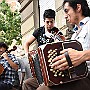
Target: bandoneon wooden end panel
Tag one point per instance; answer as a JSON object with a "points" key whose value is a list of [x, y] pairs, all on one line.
{"points": [[31, 61]]}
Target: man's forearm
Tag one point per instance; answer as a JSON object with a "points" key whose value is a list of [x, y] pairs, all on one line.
{"points": [[86, 55], [26, 47]]}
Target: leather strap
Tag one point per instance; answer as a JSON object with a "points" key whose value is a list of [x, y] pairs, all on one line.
{"points": [[71, 69], [68, 59]]}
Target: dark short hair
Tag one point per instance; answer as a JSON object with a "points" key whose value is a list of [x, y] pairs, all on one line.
{"points": [[49, 13], [84, 6], [4, 45]]}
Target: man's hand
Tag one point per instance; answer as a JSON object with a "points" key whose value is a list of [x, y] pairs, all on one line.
{"points": [[5, 55], [61, 63]]}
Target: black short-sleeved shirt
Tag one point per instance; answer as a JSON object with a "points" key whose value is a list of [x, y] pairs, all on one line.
{"points": [[39, 34]]}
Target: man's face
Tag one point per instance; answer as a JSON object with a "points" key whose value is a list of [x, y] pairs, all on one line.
{"points": [[2, 50], [70, 14], [49, 23]]}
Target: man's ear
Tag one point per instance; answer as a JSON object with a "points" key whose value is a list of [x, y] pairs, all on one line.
{"points": [[78, 7]]}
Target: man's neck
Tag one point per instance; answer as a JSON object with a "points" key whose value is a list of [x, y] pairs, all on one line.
{"points": [[79, 19]]}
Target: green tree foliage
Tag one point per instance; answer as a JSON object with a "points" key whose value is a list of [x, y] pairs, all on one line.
{"points": [[10, 24]]}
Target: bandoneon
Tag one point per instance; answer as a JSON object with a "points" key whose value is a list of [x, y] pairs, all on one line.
{"points": [[41, 60]]}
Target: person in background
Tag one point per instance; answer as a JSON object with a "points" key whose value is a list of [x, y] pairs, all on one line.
{"points": [[43, 35], [77, 13], [21, 71], [9, 79], [24, 67], [27, 67]]}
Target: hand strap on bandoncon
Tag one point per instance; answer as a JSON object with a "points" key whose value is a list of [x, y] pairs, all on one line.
{"points": [[68, 59]]}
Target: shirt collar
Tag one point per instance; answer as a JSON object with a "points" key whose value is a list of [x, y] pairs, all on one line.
{"points": [[82, 22]]}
